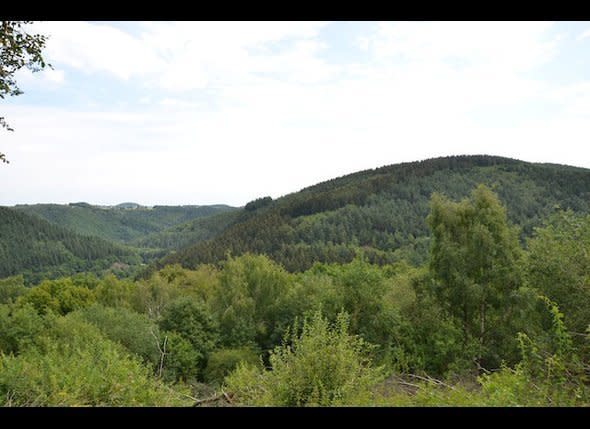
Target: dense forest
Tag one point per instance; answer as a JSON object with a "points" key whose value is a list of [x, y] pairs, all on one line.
{"points": [[38, 249], [187, 233], [124, 223], [382, 212], [52, 240], [496, 311]]}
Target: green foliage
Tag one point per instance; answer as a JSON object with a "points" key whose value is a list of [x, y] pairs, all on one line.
{"points": [[137, 226], [18, 48], [152, 295], [20, 326], [549, 374], [182, 360], [137, 333], [382, 211], [249, 302], [322, 366], [436, 337], [74, 365], [11, 288], [475, 258], [200, 283], [37, 249], [559, 265], [258, 203], [192, 321], [113, 292], [223, 361], [60, 296], [374, 331]]}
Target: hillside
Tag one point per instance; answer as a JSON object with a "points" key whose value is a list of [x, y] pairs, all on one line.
{"points": [[181, 235], [382, 211], [38, 249], [123, 223]]}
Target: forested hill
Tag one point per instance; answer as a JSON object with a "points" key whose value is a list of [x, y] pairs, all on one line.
{"points": [[36, 248], [191, 232], [123, 223], [382, 211]]}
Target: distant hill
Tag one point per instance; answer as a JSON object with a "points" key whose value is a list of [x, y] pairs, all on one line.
{"points": [[382, 211], [181, 235], [122, 223], [38, 249]]}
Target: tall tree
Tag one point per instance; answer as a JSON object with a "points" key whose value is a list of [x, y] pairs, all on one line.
{"points": [[18, 49], [475, 258]]}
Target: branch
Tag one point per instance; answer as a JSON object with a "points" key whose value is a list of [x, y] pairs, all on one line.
{"points": [[162, 352], [432, 380], [214, 398]]}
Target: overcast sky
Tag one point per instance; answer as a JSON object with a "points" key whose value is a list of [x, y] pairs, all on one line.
{"points": [[204, 113]]}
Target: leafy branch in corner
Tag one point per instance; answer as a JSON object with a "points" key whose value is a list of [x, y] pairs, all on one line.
{"points": [[18, 49]]}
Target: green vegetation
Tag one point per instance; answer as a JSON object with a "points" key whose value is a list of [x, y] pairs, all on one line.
{"points": [[125, 223], [51, 240], [382, 212], [322, 366], [486, 320], [38, 249], [187, 233]]}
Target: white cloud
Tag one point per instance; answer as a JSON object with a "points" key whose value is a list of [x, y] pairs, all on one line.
{"points": [[517, 45], [277, 115], [583, 35], [97, 48], [187, 55]]}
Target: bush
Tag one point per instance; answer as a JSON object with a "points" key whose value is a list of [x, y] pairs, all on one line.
{"points": [[74, 365], [134, 331], [224, 361], [323, 366]]}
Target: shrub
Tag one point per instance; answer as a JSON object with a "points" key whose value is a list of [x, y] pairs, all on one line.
{"points": [[72, 364], [224, 361], [323, 366], [134, 331]]}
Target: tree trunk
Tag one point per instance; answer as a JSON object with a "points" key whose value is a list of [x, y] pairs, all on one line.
{"points": [[482, 318]]}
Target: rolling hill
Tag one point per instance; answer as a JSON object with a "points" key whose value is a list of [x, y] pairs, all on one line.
{"points": [[124, 223], [382, 211], [38, 249]]}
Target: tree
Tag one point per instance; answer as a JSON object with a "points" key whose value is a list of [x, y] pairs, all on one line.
{"points": [[250, 302], [190, 319], [475, 259], [18, 49]]}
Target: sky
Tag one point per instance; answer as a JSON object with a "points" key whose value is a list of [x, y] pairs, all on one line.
{"points": [[226, 112]]}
